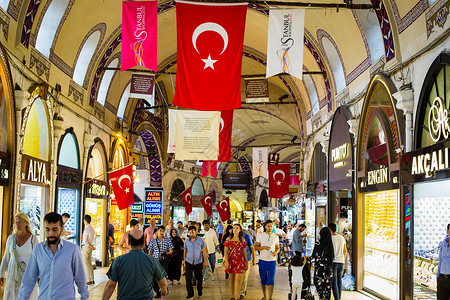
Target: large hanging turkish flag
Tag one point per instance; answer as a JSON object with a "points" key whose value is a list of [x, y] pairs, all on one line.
{"points": [[223, 207], [122, 184], [210, 40], [207, 203], [186, 196], [225, 131], [279, 180]]}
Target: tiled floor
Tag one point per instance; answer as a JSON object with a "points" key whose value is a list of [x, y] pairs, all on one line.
{"points": [[219, 287]]}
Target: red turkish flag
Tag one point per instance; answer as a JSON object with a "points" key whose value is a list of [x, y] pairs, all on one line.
{"points": [[122, 184], [223, 207], [209, 168], [210, 39], [186, 196], [279, 180], [225, 130], [207, 203]]}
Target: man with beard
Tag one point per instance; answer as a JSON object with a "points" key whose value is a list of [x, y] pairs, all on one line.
{"points": [[49, 262]]}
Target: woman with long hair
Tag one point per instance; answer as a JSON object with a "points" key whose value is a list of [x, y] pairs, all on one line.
{"points": [[17, 254], [225, 235], [176, 257], [323, 254], [235, 257]]}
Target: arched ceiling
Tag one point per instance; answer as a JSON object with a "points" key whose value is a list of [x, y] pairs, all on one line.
{"points": [[266, 124]]}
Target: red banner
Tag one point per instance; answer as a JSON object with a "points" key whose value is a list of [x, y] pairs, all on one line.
{"points": [[225, 131], [209, 168], [207, 203], [279, 180], [223, 207], [122, 184], [210, 40], [186, 196], [139, 46]]}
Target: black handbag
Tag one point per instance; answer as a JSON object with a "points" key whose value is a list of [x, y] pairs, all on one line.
{"points": [[163, 257]]}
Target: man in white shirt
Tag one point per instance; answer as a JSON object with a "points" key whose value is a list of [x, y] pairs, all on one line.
{"points": [[211, 241], [340, 252], [86, 249], [290, 233], [259, 227], [268, 244]]}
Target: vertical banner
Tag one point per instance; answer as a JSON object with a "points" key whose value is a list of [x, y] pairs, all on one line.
{"points": [[225, 132], [197, 135], [186, 196], [260, 165], [207, 203], [210, 39], [122, 184], [223, 207], [172, 130], [139, 21], [285, 42], [209, 168]]}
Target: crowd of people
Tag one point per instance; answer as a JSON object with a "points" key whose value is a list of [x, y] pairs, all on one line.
{"points": [[159, 256]]}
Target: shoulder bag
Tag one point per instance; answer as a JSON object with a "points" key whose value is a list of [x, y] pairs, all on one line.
{"points": [[20, 266], [229, 255], [163, 257]]}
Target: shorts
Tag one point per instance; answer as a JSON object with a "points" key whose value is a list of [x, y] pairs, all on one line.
{"points": [[267, 272]]}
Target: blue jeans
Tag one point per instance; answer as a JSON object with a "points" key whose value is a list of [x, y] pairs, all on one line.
{"points": [[212, 260], [338, 272]]}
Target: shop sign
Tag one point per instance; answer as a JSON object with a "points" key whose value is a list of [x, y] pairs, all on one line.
{"points": [[438, 120], [4, 171], [35, 170], [97, 189], [429, 163], [136, 215], [69, 177], [153, 205], [379, 180], [338, 155], [137, 207]]}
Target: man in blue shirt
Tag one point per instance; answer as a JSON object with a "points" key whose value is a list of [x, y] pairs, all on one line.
{"points": [[196, 257], [443, 271], [57, 263], [135, 272], [297, 240], [251, 261]]}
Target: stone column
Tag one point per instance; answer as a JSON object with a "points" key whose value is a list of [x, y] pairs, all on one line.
{"points": [[405, 102]]}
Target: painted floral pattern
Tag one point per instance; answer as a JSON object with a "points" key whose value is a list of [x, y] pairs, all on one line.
{"points": [[236, 261]]}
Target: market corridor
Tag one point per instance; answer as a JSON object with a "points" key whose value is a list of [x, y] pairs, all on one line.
{"points": [[218, 288]]}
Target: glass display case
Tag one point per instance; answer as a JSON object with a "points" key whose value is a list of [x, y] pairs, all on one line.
{"points": [[94, 208], [310, 213], [247, 218], [381, 242], [33, 204], [431, 208]]}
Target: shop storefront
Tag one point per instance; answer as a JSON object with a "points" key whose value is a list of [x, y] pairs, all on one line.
{"points": [[96, 199], [69, 183], [176, 204], [378, 209], [198, 213], [340, 178], [7, 147], [36, 171], [316, 197], [426, 182]]}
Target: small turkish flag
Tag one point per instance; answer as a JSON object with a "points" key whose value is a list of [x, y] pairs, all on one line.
{"points": [[210, 39], [122, 184], [223, 207], [186, 196], [207, 203], [279, 180]]}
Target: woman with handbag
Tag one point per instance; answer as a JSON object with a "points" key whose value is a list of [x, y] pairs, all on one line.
{"points": [[17, 253], [323, 254], [235, 258], [175, 258], [225, 235]]}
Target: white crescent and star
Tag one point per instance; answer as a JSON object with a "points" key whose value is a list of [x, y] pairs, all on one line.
{"points": [[119, 182], [210, 26], [275, 173], [222, 124], [226, 207], [186, 198], [206, 201]]}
